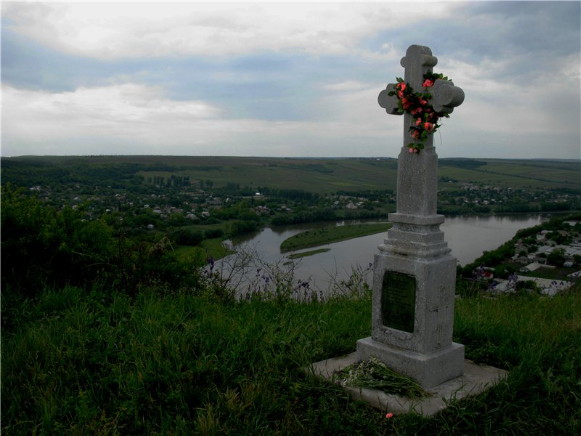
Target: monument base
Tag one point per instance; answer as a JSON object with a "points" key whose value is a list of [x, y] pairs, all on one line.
{"points": [[428, 370], [474, 380]]}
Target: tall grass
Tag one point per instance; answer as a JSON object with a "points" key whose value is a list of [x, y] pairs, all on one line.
{"points": [[77, 362], [106, 364]]}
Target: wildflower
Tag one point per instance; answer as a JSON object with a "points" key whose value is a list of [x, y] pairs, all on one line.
{"points": [[389, 415]]}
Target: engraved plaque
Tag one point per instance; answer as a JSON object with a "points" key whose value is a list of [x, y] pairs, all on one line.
{"points": [[398, 301]]}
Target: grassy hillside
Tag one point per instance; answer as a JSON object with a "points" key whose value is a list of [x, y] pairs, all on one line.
{"points": [[324, 175], [313, 175], [514, 173], [100, 362]]}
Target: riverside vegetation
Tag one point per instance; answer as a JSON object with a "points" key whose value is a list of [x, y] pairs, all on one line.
{"points": [[103, 333], [326, 235]]}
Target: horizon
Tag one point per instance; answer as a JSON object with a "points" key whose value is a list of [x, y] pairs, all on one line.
{"points": [[274, 80], [273, 157]]}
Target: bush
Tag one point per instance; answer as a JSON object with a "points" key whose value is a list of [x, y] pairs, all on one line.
{"points": [[187, 237]]}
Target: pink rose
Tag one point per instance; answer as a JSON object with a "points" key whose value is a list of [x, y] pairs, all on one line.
{"points": [[423, 102], [401, 86], [418, 121], [410, 150], [417, 110], [400, 94], [428, 126], [389, 415], [427, 83], [415, 134]]}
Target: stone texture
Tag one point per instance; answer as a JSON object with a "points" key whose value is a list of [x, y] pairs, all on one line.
{"points": [[474, 380], [428, 369]]}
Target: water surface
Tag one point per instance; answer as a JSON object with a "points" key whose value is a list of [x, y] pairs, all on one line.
{"points": [[467, 236]]}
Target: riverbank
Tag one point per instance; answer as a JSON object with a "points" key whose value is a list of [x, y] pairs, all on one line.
{"points": [[328, 235]]}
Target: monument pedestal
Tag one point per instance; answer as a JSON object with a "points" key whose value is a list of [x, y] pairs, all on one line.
{"points": [[428, 370], [413, 302], [474, 380]]}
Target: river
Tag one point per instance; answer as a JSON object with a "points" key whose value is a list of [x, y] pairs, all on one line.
{"points": [[467, 236]]}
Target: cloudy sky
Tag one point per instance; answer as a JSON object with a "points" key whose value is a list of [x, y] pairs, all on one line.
{"points": [[276, 79]]}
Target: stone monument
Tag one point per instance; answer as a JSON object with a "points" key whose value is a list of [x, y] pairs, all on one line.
{"points": [[414, 273]]}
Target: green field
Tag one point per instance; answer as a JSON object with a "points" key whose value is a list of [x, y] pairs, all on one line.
{"points": [[320, 175], [327, 235], [514, 173]]}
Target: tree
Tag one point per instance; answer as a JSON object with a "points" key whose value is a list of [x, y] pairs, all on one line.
{"points": [[556, 257]]}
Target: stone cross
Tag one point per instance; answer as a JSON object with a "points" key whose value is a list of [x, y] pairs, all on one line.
{"points": [[414, 273]]}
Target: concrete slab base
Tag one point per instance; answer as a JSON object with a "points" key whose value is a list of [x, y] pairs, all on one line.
{"points": [[475, 379], [430, 369]]}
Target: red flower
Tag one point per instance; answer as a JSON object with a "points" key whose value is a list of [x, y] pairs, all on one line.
{"points": [[389, 415], [401, 86], [415, 134], [428, 126], [427, 83]]}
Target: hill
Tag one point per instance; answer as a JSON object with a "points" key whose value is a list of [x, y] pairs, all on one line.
{"points": [[321, 175]]}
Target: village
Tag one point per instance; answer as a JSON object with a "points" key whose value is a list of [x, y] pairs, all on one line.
{"points": [[202, 201], [547, 261]]}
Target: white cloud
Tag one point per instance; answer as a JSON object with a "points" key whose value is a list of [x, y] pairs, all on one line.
{"points": [[118, 30], [543, 104], [349, 85], [510, 110], [136, 119], [127, 111]]}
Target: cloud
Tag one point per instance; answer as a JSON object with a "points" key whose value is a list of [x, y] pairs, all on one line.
{"points": [[283, 80], [117, 30], [127, 111], [136, 119], [349, 85]]}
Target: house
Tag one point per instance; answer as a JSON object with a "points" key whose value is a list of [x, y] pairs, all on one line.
{"points": [[531, 267]]}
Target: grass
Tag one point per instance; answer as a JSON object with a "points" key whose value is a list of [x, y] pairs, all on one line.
{"points": [[307, 253], [99, 362], [208, 248], [104, 364], [327, 235]]}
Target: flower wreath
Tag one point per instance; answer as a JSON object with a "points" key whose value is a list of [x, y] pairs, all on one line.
{"points": [[418, 106]]}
